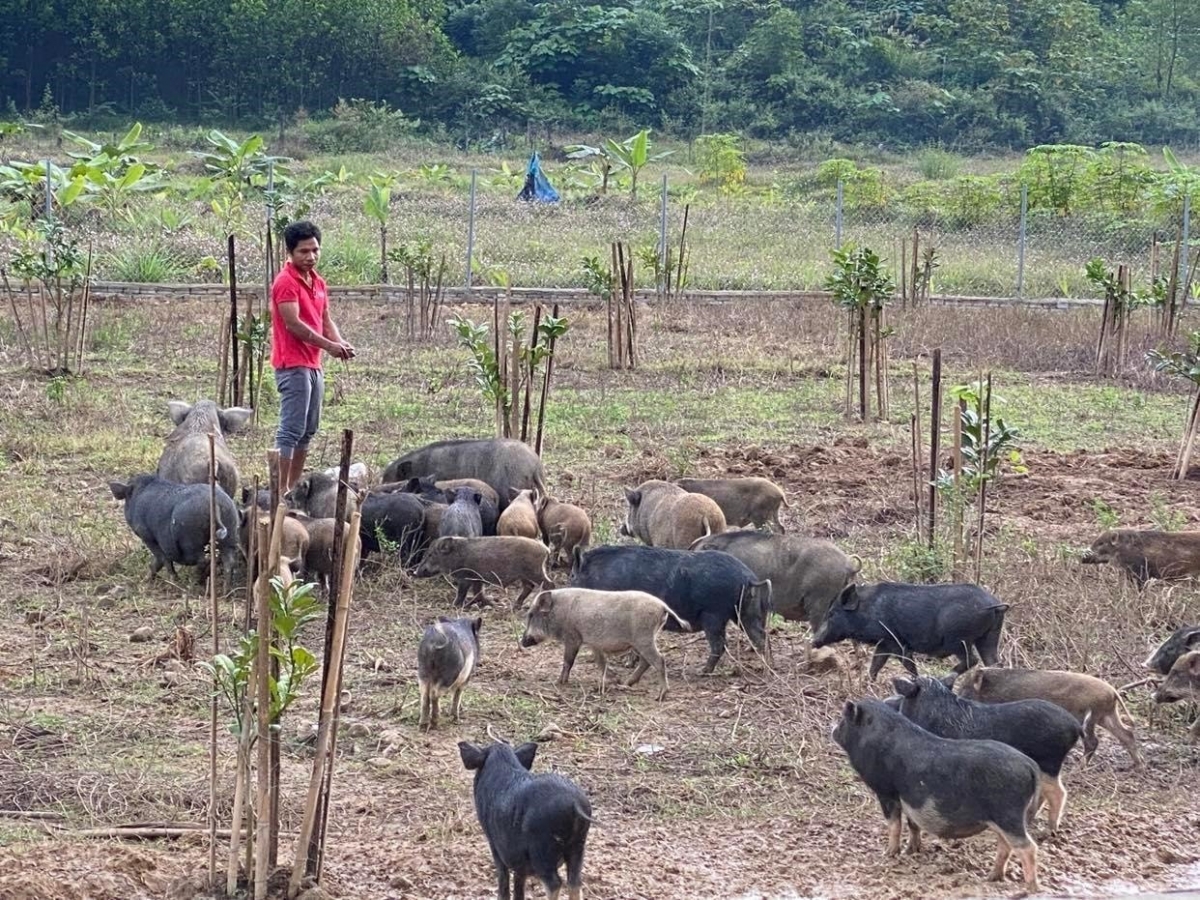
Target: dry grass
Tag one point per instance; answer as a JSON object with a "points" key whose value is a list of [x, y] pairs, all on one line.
{"points": [[748, 796]]}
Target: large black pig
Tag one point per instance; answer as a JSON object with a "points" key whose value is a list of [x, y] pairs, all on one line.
{"points": [[938, 620]]}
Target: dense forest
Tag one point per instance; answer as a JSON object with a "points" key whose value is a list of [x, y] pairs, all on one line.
{"points": [[962, 73]]}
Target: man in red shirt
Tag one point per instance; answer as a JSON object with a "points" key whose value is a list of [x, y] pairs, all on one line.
{"points": [[300, 329]]}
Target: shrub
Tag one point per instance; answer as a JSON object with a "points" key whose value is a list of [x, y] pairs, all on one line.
{"points": [[151, 263], [936, 164], [359, 126]]}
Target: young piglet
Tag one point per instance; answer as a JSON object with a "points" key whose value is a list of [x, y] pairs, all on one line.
{"points": [[446, 660], [606, 621], [952, 789], [533, 823]]}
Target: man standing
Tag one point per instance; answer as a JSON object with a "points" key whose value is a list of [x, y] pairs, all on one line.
{"points": [[300, 329]]}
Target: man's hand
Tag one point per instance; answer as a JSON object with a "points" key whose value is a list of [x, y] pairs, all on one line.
{"points": [[342, 350]]}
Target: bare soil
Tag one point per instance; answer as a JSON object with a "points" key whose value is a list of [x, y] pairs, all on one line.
{"points": [[731, 787]]}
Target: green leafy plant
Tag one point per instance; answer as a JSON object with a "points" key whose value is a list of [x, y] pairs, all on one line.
{"points": [[1164, 517], [1107, 518], [721, 159], [1000, 438], [151, 263], [861, 285], [634, 154], [378, 206], [603, 162]]}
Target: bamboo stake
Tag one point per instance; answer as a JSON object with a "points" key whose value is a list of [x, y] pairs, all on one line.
{"points": [[216, 649], [545, 388], [935, 427], [958, 504], [235, 374], [616, 286], [862, 363], [223, 369], [914, 429], [1184, 460], [533, 342], [274, 779], [631, 337], [340, 553], [12, 300], [263, 684], [327, 727], [1173, 286], [903, 273], [499, 366], [437, 299], [916, 255], [850, 343], [83, 312], [682, 251], [514, 393], [986, 402]]}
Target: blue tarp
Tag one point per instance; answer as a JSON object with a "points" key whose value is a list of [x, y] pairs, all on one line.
{"points": [[537, 186]]}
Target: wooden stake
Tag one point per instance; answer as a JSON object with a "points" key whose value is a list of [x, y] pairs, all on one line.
{"points": [[1184, 460], [914, 428], [983, 463], [328, 722], [223, 369], [262, 668], [682, 251], [533, 342], [216, 649], [545, 388], [935, 427], [862, 363], [916, 256], [958, 504], [235, 375]]}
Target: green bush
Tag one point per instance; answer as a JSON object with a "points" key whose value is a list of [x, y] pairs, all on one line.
{"points": [[936, 164], [358, 126], [152, 263]]}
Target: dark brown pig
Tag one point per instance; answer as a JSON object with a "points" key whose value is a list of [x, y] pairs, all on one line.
{"points": [[184, 458], [744, 501], [474, 562], [564, 527], [1183, 683], [1143, 555]]}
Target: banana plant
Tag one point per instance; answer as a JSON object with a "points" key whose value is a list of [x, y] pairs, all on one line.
{"points": [[603, 161], [634, 154], [378, 205], [121, 155]]}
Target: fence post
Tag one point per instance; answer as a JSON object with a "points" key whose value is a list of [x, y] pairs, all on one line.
{"points": [[470, 230], [50, 192], [837, 218], [1184, 255], [662, 236], [1021, 240]]}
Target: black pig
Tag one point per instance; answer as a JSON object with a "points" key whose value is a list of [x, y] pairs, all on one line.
{"points": [[952, 789], [1182, 641], [533, 823], [173, 522], [397, 518], [1039, 729], [462, 517], [935, 619], [706, 590]]}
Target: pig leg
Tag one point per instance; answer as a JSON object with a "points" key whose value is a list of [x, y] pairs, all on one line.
{"points": [[646, 658], [575, 872], [1003, 852], [602, 661], [1113, 725], [894, 820], [519, 876], [526, 590], [884, 651], [1090, 742], [503, 889], [1055, 796], [570, 651], [456, 704], [423, 722], [460, 597], [775, 524], [543, 861], [989, 645], [716, 644], [914, 837]]}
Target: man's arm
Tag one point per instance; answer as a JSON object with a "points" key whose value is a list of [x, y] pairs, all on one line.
{"points": [[289, 311], [331, 331]]}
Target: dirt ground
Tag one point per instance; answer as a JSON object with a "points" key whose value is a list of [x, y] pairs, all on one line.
{"points": [[730, 788]]}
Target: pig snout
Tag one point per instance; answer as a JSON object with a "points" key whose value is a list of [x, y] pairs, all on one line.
{"points": [[1090, 558]]}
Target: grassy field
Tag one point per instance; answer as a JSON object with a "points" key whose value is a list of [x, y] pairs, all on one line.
{"points": [[748, 797], [773, 232]]}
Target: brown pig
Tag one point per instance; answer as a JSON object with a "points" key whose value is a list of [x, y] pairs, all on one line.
{"points": [[565, 527], [476, 561], [744, 501], [519, 518], [1075, 692], [1143, 555], [1183, 683], [606, 621], [294, 540], [318, 560], [661, 514]]}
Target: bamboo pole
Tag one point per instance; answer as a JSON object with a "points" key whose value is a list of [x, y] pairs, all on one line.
{"points": [[340, 553], [916, 256], [235, 373], [497, 343], [986, 402], [862, 363], [216, 649], [263, 684], [1184, 460], [533, 342], [631, 314], [83, 312], [935, 427], [545, 388], [223, 368], [321, 762], [272, 848], [682, 251], [958, 501]]}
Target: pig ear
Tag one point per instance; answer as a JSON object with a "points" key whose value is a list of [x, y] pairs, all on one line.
{"points": [[234, 418], [525, 754], [472, 757], [178, 410], [1191, 639], [120, 490], [633, 497], [413, 485], [849, 597], [906, 688], [1193, 665], [851, 712]]}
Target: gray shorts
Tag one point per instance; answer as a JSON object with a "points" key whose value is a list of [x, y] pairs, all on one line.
{"points": [[301, 391]]}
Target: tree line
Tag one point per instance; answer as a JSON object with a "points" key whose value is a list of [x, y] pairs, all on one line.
{"points": [[964, 73]]}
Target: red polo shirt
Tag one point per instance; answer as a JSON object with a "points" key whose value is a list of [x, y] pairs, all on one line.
{"points": [[287, 350]]}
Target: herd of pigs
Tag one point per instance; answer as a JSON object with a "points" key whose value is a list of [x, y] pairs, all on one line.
{"points": [[981, 749]]}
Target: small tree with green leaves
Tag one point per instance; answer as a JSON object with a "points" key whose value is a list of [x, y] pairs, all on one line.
{"points": [[634, 154], [378, 206], [1184, 365], [1120, 301], [424, 273], [861, 286]]}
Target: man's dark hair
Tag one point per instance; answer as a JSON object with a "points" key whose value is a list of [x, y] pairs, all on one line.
{"points": [[300, 231]]}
